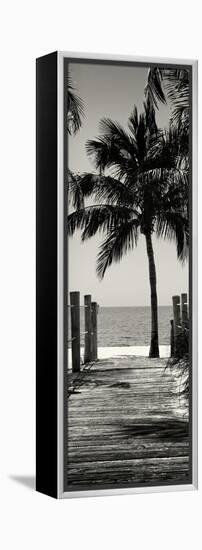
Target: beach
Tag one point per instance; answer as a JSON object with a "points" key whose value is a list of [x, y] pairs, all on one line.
{"points": [[118, 351]]}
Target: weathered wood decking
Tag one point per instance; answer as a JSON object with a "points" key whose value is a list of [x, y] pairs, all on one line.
{"points": [[126, 425]]}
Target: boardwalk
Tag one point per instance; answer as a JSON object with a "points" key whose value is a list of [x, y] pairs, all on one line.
{"points": [[126, 425]]}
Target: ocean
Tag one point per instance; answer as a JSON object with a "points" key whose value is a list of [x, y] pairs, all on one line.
{"points": [[128, 326]]}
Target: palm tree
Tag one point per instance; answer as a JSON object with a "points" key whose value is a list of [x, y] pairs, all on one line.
{"points": [[139, 188], [75, 109]]}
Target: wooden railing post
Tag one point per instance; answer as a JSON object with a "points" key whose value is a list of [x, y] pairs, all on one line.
{"points": [[94, 330], [184, 310], [177, 322], [172, 341], [75, 330], [88, 329]]}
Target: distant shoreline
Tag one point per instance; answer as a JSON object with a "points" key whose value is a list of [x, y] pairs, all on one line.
{"points": [[131, 307]]}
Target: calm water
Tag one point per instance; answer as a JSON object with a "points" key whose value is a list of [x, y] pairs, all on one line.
{"points": [[129, 326]]}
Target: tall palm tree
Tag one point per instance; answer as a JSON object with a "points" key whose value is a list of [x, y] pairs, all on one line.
{"points": [[139, 188], [75, 109]]}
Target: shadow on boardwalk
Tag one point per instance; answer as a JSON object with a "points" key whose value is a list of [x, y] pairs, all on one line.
{"points": [[127, 425], [172, 429]]}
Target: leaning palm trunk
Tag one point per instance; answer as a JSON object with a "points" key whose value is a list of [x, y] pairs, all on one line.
{"points": [[154, 346]]}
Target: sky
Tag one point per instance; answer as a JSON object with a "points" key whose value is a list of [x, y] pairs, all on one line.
{"points": [[112, 91]]}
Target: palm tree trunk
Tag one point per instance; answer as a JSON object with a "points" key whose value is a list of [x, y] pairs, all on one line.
{"points": [[154, 346]]}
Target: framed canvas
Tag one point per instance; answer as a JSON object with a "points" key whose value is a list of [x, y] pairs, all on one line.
{"points": [[116, 359]]}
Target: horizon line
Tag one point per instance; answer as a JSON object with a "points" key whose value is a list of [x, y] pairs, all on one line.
{"points": [[161, 305]]}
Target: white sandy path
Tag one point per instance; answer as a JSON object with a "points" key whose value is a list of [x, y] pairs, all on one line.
{"points": [[107, 352]]}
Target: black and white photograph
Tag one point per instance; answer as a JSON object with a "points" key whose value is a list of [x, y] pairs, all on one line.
{"points": [[128, 282], [100, 275]]}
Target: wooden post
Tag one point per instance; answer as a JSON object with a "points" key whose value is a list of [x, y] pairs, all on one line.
{"points": [[172, 345], [184, 310], [94, 330], [88, 330], [177, 322], [75, 330]]}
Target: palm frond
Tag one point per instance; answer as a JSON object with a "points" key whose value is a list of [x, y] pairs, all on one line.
{"points": [[133, 121], [141, 139], [106, 189], [75, 108], [174, 226], [175, 82], [117, 243], [75, 192], [150, 117], [118, 154], [117, 134], [154, 87], [177, 88], [98, 218], [116, 138], [100, 151], [171, 186], [166, 148]]}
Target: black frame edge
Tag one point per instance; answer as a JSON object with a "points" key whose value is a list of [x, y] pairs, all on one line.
{"points": [[46, 274]]}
